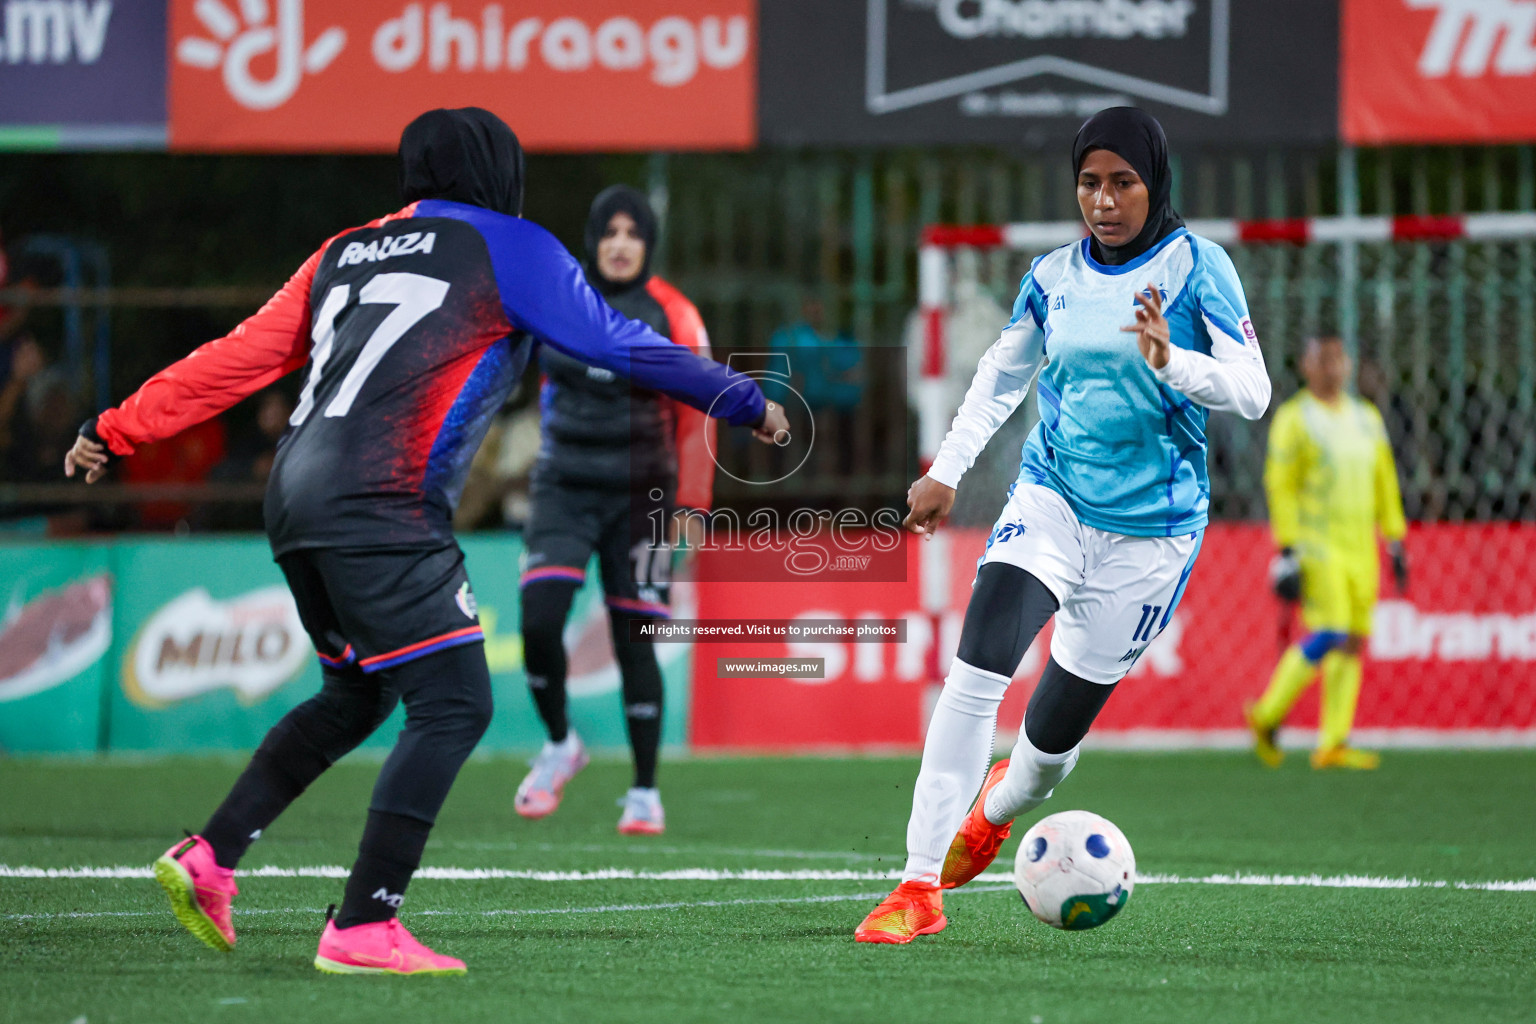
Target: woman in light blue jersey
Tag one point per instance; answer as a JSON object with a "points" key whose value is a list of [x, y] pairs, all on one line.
{"points": [[1104, 523]]}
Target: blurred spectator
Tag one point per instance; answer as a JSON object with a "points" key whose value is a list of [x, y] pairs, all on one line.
{"points": [[496, 493], [11, 317], [25, 363], [827, 369], [251, 452], [187, 458], [38, 414], [249, 461], [971, 324]]}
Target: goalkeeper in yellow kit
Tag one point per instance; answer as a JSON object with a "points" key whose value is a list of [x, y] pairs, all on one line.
{"points": [[1332, 484]]}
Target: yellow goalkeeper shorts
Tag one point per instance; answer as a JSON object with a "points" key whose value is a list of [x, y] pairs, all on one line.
{"points": [[1338, 591]]}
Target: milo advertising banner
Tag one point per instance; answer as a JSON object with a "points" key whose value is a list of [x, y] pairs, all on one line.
{"points": [[55, 636], [196, 645]]}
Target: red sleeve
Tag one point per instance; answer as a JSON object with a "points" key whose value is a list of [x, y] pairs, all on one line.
{"points": [[695, 431], [271, 343]]}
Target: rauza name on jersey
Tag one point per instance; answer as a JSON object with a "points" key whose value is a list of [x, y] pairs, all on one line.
{"points": [[384, 248]]}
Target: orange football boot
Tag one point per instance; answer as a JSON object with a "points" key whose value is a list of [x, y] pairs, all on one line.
{"points": [[1346, 757], [976, 844], [915, 908]]}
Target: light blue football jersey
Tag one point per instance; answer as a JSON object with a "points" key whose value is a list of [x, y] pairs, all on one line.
{"points": [[1126, 451]]}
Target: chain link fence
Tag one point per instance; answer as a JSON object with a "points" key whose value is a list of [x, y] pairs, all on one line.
{"points": [[770, 240], [1445, 335]]}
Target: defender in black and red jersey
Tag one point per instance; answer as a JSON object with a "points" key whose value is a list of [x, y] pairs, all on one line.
{"points": [[615, 461], [414, 327]]}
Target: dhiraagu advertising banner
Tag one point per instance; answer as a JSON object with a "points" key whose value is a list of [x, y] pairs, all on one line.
{"points": [[195, 644]]}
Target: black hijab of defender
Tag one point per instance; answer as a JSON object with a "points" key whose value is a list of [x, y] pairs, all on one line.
{"points": [[612, 200], [1134, 136], [468, 155]]}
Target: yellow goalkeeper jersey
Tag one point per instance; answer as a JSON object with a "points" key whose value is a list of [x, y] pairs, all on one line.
{"points": [[1330, 477]]}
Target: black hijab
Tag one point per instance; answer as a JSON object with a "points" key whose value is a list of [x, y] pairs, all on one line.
{"points": [[1134, 136], [467, 155], [612, 200]]}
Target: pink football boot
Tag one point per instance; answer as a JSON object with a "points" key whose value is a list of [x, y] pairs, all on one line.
{"points": [[384, 947], [201, 892], [556, 764]]}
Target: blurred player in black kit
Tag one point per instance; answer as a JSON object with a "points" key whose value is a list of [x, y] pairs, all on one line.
{"points": [[616, 460], [414, 328]]}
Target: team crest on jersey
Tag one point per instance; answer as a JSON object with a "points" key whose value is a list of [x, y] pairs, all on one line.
{"points": [[386, 248], [1006, 532], [465, 599]]}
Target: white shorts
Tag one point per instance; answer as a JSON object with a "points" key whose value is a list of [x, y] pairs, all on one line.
{"points": [[1116, 592]]}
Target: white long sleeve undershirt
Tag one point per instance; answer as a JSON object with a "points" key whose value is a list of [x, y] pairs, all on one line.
{"points": [[1002, 380], [1231, 379]]}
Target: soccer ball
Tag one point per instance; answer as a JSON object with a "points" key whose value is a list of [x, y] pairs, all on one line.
{"points": [[1075, 870]]}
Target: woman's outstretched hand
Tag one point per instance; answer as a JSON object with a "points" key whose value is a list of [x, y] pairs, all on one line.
{"points": [[930, 502], [1151, 329], [87, 455]]}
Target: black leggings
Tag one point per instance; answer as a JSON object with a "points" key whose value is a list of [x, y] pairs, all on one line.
{"points": [[546, 606], [1008, 608], [447, 698]]}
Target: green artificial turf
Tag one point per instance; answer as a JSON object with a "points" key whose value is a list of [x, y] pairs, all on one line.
{"points": [[655, 950]]}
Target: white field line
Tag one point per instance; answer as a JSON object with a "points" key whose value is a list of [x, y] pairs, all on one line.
{"points": [[494, 874], [613, 908], [728, 875], [627, 849], [1301, 739]]}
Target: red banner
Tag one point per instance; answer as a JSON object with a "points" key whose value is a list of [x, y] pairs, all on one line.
{"points": [[327, 75], [1438, 71], [1454, 662], [872, 694]]}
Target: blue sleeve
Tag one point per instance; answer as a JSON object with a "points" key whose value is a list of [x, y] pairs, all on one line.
{"points": [[1218, 292], [545, 293], [1031, 300]]}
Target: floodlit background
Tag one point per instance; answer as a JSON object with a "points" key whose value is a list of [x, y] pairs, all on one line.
{"points": [[166, 166], [856, 187]]}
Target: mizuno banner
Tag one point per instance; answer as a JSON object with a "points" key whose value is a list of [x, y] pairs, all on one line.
{"points": [[1028, 72], [1439, 71]]}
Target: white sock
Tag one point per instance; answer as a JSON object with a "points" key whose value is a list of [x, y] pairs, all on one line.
{"points": [[568, 746], [1031, 777], [956, 754]]}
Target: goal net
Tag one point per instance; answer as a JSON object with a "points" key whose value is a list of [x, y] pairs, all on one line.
{"points": [[1440, 316]]}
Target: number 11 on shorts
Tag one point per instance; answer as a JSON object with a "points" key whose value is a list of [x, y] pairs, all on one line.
{"points": [[1143, 631]]}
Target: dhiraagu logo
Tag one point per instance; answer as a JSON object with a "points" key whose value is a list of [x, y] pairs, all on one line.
{"points": [[233, 42]]}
